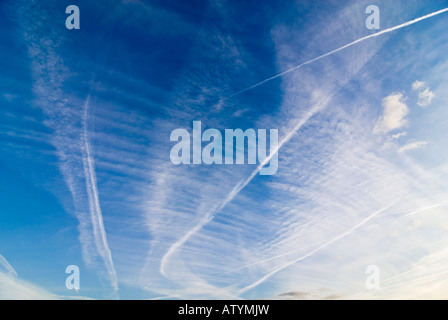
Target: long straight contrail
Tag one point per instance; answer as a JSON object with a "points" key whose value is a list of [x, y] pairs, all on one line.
{"points": [[339, 49], [240, 186], [96, 215], [323, 246]]}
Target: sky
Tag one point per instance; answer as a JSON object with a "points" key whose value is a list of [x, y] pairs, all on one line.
{"points": [[85, 122]]}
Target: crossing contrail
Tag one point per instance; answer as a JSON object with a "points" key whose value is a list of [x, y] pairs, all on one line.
{"points": [[339, 49], [241, 185], [234, 192]]}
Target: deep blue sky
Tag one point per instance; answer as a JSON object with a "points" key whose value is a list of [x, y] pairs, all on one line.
{"points": [[84, 156]]}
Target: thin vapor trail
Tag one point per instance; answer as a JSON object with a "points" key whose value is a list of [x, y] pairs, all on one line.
{"points": [[294, 251], [412, 269], [7, 266], [96, 215], [410, 213], [240, 186], [361, 229], [236, 190], [323, 246], [340, 49], [50, 73]]}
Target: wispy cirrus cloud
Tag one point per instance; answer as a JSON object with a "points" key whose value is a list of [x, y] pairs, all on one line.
{"points": [[70, 136], [13, 288], [339, 202], [413, 146], [385, 172], [16, 289], [169, 258]]}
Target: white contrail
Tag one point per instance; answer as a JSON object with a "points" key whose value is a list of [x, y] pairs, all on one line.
{"points": [[412, 269], [210, 215], [49, 72], [326, 244], [333, 240], [410, 213], [234, 192], [95, 209], [373, 225], [340, 49], [7, 266]]}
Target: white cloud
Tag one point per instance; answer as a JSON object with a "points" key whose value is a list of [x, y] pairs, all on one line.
{"points": [[395, 112], [399, 135], [418, 85], [425, 98], [12, 288], [413, 146], [425, 95]]}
